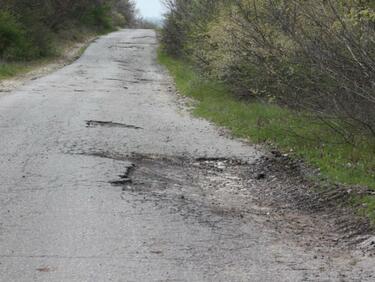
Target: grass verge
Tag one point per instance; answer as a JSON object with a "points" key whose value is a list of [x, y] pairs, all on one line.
{"points": [[8, 70], [299, 135]]}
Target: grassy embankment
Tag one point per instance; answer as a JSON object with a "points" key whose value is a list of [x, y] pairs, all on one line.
{"points": [[338, 161]]}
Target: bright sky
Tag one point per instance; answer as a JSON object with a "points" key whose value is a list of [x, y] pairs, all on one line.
{"points": [[150, 8]]}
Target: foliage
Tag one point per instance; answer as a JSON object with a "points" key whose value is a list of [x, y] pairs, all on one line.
{"points": [[28, 28], [147, 24], [317, 57], [13, 41], [98, 16], [8, 70]]}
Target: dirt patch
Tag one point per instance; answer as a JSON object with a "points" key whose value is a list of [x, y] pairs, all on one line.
{"points": [[98, 123], [286, 185], [307, 194]]}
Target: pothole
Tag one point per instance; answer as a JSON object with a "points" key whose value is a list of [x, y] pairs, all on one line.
{"points": [[137, 44], [114, 79], [266, 189], [127, 46], [98, 123], [125, 178], [143, 37]]}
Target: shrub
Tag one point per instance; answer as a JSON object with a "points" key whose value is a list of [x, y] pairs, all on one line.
{"points": [[13, 42], [314, 56], [98, 16], [118, 20], [29, 28]]}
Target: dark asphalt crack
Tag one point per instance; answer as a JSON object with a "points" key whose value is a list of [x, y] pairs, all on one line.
{"points": [[96, 123]]}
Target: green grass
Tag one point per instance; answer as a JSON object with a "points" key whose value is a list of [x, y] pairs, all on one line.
{"points": [[8, 70], [13, 69], [300, 136]]}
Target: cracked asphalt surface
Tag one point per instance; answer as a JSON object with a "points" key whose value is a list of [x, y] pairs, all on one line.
{"points": [[105, 177]]}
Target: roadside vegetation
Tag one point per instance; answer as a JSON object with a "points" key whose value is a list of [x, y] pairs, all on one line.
{"points": [[32, 30], [298, 75]]}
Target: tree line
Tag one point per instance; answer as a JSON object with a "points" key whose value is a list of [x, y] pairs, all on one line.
{"points": [[315, 57], [29, 27]]}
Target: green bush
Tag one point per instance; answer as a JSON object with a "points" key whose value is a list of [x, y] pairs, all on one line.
{"points": [[99, 17], [118, 20], [42, 39], [315, 56], [13, 41], [29, 29], [19, 43]]}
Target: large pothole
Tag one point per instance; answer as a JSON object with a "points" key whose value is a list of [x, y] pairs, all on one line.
{"points": [[272, 190]]}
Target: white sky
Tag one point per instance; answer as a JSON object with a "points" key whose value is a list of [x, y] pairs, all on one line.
{"points": [[150, 8]]}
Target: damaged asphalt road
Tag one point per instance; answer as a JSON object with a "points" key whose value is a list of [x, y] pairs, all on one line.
{"points": [[105, 177]]}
